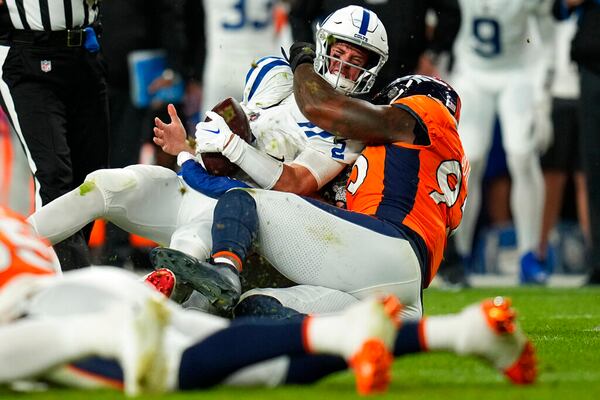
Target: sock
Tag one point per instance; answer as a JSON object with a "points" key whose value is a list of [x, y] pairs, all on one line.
{"points": [[235, 225], [310, 368], [228, 257], [441, 332], [322, 334], [244, 342], [410, 338]]}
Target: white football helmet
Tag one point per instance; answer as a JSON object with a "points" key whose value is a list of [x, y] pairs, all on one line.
{"points": [[358, 26]]}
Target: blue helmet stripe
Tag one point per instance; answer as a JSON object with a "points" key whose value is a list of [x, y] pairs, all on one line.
{"points": [[263, 71], [256, 64], [364, 25]]}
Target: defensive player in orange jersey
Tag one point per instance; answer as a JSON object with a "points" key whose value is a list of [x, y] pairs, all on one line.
{"points": [[405, 196]]}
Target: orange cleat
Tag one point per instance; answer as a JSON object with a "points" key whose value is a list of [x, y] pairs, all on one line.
{"points": [[371, 365], [490, 331]]}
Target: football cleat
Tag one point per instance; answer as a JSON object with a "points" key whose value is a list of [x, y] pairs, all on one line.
{"points": [[370, 329], [162, 280], [532, 270], [490, 331], [142, 359], [219, 283]]}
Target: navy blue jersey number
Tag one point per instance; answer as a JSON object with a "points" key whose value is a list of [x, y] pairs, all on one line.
{"points": [[487, 33], [243, 20]]}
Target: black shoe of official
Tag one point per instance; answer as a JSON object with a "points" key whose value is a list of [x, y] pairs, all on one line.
{"points": [[219, 282]]}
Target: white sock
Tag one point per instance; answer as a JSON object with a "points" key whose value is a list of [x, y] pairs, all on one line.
{"points": [[441, 332], [324, 334], [526, 199]]}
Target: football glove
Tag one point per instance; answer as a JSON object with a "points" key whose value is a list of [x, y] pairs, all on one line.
{"points": [[300, 53], [213, 135]]}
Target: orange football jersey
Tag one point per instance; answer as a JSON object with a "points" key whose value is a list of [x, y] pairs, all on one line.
{"points": [[21, 250], [422, 187]]}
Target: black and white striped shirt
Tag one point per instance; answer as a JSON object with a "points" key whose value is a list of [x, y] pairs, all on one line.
{"points": [[52, 15]]}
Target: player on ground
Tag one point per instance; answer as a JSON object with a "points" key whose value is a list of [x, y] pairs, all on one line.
{"points": [[157, 346], [406, 194], [498, 71], [155, 203]]}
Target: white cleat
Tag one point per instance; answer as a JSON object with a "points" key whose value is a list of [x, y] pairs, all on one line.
{"points": [[489, 330], [142, 359]]}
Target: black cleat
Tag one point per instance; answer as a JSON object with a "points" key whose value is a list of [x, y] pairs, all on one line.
{"points": [[219, 283]]}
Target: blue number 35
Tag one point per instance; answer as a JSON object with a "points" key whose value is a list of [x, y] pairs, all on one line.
{"points": [[241, 9]]}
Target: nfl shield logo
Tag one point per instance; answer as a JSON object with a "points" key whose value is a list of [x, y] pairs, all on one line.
{"points": [[46, 65]]}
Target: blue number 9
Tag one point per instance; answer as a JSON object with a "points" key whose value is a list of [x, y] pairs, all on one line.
{"points": [[487, 33]]}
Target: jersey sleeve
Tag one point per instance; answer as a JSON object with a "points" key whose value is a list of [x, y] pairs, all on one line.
{"points": [[268, 82]]}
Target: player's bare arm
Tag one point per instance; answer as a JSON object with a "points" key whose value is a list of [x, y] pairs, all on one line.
{"points": [[346, 116], [171, 137], [296, 179]]}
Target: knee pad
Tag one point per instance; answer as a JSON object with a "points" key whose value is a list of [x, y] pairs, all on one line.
{"points": [[110, 180]]}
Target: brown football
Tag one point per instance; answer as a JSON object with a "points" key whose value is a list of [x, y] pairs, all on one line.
{"points": [[234, 116]]}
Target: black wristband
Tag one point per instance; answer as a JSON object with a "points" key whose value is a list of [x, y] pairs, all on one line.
{"points": [[300, 53]]}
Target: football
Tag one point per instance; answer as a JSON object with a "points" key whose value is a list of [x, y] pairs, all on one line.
{"points": [[234, 116]]}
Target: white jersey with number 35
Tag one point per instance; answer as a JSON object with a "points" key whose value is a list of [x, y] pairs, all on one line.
{"points": [[495, 34]]}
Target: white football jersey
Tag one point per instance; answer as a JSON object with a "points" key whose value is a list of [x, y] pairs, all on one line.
{"points": [[279, 127], [495, 34], [241, 27]]}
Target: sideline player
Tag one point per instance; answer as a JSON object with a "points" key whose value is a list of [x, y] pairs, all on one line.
{"points": [[496, 72], [155, 203], [406, 194], [236, 32], [109, 313]]}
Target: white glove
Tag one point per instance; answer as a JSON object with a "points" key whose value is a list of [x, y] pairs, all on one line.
{"points": [[212, 136]]}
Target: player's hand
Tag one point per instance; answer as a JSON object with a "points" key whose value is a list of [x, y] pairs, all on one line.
{"points": [[171, 137], [214, 135], [300, 53]]}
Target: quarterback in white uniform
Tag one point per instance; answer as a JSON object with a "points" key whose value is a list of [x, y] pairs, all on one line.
{"points": [[156, 203], [237, 32], [496, 74]]}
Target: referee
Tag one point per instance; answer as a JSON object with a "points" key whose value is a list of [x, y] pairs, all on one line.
{"points": [[53, 89]]}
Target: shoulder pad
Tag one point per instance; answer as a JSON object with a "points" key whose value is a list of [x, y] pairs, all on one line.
{"points": [[269, 81]]}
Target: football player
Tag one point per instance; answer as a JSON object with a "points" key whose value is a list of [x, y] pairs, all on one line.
{"points": [[156, 203], [498, 72], [143, 342], [406, 194], [236, 33]]}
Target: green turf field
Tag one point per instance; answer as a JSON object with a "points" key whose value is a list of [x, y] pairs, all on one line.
{"points": [[564, 324]]}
